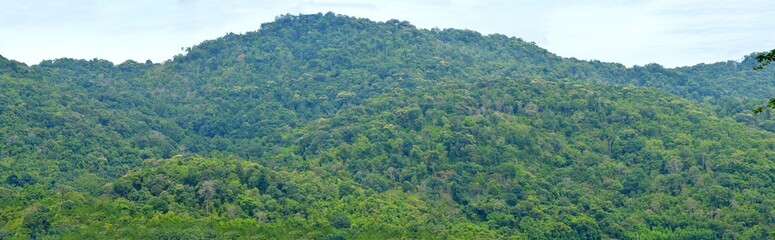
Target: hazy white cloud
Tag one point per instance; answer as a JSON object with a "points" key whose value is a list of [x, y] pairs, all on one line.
{"points": [[671, 33]]}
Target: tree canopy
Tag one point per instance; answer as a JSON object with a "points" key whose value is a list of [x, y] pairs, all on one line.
{"points": [[765, 59], [326, 126]]}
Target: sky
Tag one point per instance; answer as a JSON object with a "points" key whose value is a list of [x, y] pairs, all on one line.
{"points": [[671, 33]]}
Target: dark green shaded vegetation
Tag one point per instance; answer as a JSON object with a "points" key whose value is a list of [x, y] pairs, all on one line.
{"points": [[331, 127], [765, 59]]}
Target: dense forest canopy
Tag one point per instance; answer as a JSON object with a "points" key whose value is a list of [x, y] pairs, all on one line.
{"points": [[325, 126]]}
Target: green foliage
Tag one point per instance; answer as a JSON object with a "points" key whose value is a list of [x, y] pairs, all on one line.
{"points": [[331, 127], [339, 220], [38, 220], [764, 59]]}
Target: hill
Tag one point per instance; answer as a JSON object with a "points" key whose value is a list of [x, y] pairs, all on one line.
{"points": [[326, 126]]}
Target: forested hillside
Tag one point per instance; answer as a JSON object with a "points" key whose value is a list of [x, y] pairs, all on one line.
{"points": [[332, 127]]}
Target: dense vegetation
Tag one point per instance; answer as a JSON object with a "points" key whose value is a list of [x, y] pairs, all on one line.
{"points": [[332, 127]]}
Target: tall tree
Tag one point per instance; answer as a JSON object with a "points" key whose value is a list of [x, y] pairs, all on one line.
{"points": [[206, 193], [765, 59]]}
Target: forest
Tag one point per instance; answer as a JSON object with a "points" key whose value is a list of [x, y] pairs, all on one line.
{"points": [[326, 126]]}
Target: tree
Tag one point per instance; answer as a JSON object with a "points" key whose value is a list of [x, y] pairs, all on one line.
{"points": [[38, 221], [770, 104], [764, 59], [206, 193], [339, 220]]}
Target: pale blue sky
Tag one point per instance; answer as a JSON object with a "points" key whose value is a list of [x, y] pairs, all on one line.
{"points": [[668, 32]]}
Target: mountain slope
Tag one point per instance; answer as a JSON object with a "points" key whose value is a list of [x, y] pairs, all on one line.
{"points": [[325, 126]]}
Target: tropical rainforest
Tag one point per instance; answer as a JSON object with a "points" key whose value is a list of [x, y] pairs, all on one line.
{"points": [[326, 126]]}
